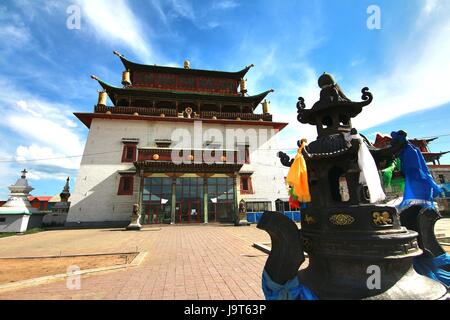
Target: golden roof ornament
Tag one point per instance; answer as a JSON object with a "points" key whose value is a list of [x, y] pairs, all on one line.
{"points": [[188, 111], [187, 64], [243, 85], [265, 106], [126, 82], [101, 98]]}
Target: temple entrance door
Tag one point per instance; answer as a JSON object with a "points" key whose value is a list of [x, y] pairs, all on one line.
{"points": [[190, 210], [151, 213], [189, 194]]}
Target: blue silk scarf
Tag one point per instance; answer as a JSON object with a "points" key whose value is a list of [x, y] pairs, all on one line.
{"points": [[420, 187], [291, 290]]}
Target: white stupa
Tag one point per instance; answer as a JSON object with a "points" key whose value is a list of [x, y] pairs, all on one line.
{"points": [[16, 214]]}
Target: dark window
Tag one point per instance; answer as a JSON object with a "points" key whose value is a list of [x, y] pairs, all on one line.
{"points": [[441, 178], [125, 186], [246, 185], [2, 219], [283, 206], [129, 153], [247, 154], [259, 206]]}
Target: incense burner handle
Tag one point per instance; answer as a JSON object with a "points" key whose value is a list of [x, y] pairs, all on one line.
{"points": [[422, 220], [286, 253]]}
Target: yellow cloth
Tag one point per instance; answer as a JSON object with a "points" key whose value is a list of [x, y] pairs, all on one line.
{"points": [[297, 177]]}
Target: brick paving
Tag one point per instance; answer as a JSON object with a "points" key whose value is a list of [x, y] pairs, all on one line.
{"points": [[183, 262]]}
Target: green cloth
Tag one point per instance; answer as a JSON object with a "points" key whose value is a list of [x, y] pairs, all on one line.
{"points": [[389, 171], [397, 183]]}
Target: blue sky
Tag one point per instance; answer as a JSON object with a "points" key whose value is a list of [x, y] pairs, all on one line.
{"points": [[45, 66]]}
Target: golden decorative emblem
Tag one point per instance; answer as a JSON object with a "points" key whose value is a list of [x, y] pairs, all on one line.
{"points": [[341, 219], [309, 219], [381, 218]]}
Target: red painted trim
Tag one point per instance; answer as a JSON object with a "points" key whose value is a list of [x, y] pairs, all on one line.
{"points": [[86, 119], [121, 191], [167, 81]]}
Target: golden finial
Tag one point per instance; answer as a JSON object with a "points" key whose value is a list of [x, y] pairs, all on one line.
{"points": [[101, 98], [265, 106], [243, 85], [126, 78]]}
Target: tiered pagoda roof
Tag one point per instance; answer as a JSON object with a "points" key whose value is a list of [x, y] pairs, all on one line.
{"points": [[162, 93], [384, 140], [133, 66], [137, 92]]}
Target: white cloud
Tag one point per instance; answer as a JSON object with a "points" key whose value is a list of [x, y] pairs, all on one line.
{"points": [[46, 129], [225, 4], [51, 139], [201, 16], [115, 22], [16, 36], [183, 9], [45, 156], [39, 175], [290, 79], [418, 79], [13, 32], [430, 5], [8, 174]]}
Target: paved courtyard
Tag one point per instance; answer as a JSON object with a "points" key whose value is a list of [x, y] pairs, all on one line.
{"points": [[183, 262]]}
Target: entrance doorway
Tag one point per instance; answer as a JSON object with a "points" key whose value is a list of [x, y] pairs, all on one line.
{"points": [[189, 205], [190, 211], [189, 194], [221, 201], [156, 200]]}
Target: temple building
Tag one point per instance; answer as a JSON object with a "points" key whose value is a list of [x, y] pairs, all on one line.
{"points": [[422, 144], [185, 144]]}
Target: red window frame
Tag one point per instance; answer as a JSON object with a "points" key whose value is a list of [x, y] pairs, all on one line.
{"points": [[123, 183], [249, 189], [125, 157]]}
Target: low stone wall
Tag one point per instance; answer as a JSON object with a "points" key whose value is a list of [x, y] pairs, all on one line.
{"points": [[54, 219]]}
